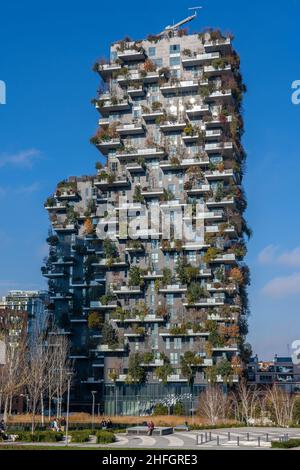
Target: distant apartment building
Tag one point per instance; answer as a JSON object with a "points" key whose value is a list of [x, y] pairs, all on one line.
{"points": [[151, 312], [34, 303], [281, 371]]}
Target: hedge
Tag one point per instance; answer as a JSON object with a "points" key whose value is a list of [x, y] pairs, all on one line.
{"points": [[40, 436], [105, 437], [290, 444], [80, 436]]}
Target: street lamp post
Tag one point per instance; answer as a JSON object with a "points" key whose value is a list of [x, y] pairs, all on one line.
{"points": [[93, 408], [68, 406]]}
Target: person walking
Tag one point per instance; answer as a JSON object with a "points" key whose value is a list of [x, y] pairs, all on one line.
{"points": [[62, 424]]}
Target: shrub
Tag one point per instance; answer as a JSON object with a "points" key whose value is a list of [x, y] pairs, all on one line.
{"points": [[178, 409], [105, 437], [160, 410], [292, 443], [80, 436], [40, 436]]}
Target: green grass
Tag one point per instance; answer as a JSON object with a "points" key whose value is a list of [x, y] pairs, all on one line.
{"points": [[290, 444]]}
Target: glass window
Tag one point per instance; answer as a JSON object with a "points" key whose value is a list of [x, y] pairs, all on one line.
{"points": [[177, 343], [113, 56], [151, 51], [174, 61], [158, 62], [174, 48], [168, 343], [174, 358]]}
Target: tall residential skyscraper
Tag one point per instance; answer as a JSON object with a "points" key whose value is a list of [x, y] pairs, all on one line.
{"points": [[146, 257]]}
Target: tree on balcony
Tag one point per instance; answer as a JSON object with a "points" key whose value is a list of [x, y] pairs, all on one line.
{"points": [[109, 335], [109, 248], [196, 292], [135, 278], [136, 373], [188, 362], [95, 321], [163, 372]]}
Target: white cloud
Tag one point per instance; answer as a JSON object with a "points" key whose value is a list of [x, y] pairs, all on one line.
{"points": [[268, 254], [283, 286], [22, 159], [287, 258], [290, 258]]}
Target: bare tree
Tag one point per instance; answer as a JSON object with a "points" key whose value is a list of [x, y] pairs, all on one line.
{"points": [[37, 368], [12, 376], [59, 370], [245, 402], [281, 405], [213, 404]]}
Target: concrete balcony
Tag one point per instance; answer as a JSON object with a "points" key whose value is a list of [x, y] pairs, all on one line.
{"points": [[67, 195], [138, 91], [173, 289], [226, 202], [181, 86], [223, 147], [155, 363], [111, 106], [219, 175], [193, 246], [146, 319], [188, 333], [151, 116], [213, 133], [126, 290], [64, 228], [188, 162], [106, 145], [229, 258], [206, 215], [198, 189], [132, 76], [106, 264], [131, 129], [212, 71], [226, 349], [135, 168], [223, 96], [61, 296], [107, 348], [141, 153], [106, 70], [118, 182], [152, 275], [219, 45], [197, 110], [104, 121], [57, 206], [172, 126], [217, 287], [129, 206], [97, 305], [200, 59], [152, 192], [216, 229], [53, 274], [176, 378], [210, 302], [130, 55]]}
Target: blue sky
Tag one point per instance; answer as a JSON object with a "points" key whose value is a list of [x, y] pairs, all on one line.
{"points": [[47, 53]]}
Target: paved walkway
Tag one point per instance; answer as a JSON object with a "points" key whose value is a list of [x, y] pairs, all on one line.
{"points": [[233, 438], [222, 439]]}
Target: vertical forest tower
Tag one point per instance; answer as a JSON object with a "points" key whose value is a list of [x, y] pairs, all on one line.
{"points": [[154, 314]]}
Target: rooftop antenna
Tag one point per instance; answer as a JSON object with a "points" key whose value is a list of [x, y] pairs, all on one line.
{"points": [[181, 23]]}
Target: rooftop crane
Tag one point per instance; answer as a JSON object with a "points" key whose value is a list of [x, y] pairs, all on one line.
{"points": [[180, 23]]}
